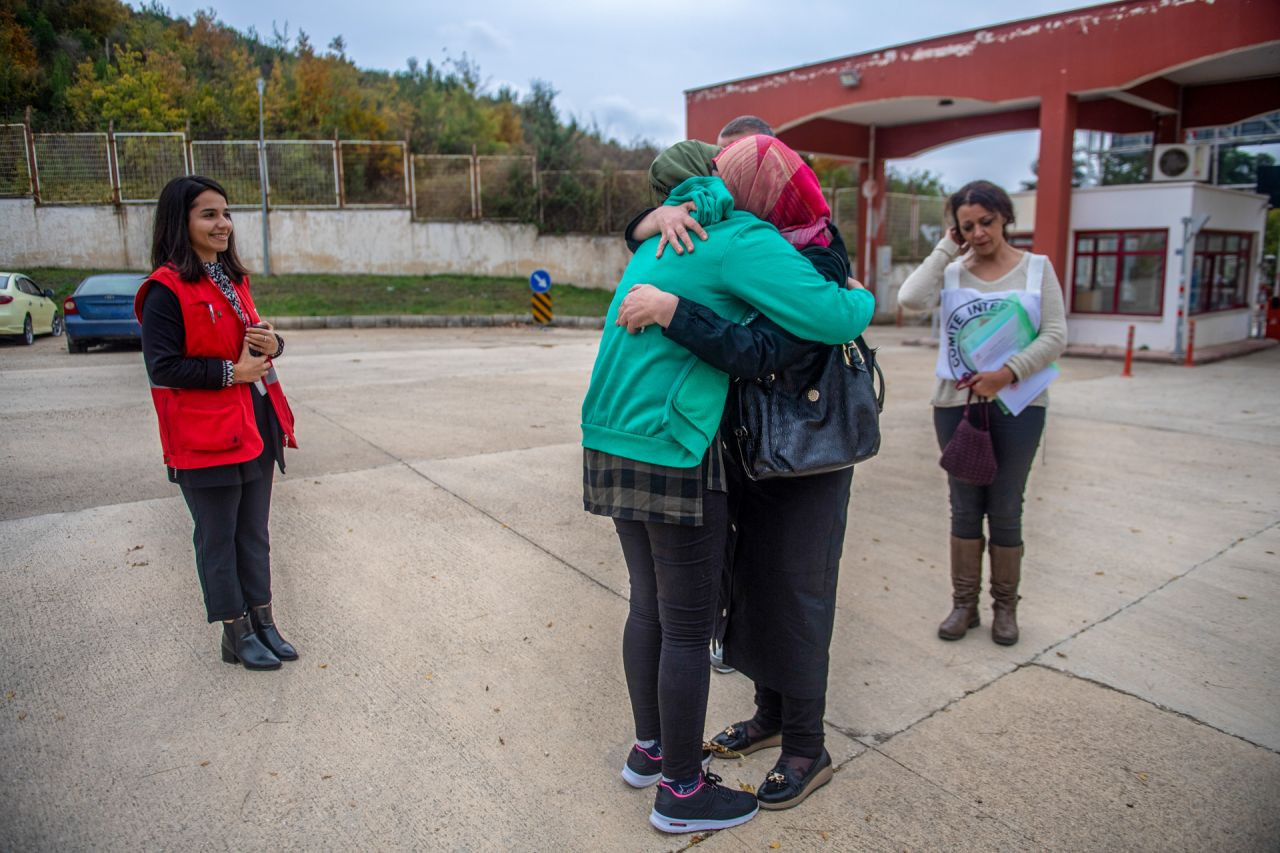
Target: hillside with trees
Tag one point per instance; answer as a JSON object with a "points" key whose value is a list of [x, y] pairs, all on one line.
{"points": [[81, 64]]}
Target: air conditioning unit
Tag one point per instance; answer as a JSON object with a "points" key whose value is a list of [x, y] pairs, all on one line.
{"points": [[1181, 163]]}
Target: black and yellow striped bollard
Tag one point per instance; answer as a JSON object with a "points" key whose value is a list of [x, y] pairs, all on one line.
{"points": [[540, 284]]}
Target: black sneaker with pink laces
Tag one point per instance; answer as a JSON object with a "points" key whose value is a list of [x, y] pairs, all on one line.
{"points": [[644, 765], [706, 805]]}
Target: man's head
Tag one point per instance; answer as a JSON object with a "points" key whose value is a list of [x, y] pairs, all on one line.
{"points": [[743, 126]]}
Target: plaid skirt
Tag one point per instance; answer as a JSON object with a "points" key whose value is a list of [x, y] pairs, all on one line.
{"points": [[637, 491]]}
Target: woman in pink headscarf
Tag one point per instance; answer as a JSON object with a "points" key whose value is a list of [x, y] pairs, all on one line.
{"points": [[786, 535]]}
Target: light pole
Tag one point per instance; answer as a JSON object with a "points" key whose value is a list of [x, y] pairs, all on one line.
{"points": [[1191, 226], [262, 181]]}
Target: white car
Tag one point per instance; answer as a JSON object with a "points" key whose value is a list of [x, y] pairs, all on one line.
{"points": [[26, 310]]}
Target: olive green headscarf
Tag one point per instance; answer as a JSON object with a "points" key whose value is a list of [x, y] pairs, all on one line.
{"points": [[684, 160]]}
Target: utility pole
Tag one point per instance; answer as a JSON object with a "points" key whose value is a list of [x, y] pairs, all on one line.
{"points": [[1191, 227], [262, 180]]}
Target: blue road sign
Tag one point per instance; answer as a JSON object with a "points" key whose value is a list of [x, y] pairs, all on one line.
{"points": [[540, 281]]}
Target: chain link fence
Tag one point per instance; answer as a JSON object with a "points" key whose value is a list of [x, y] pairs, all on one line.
{"points": [[96, 168], [302, 173], [373, 173], [571, 201], [73, 168], [443, 187], [145, 162], [506, 188], [234, 164], [628, 194], [913, 224], [15, 172], [844, 212]]}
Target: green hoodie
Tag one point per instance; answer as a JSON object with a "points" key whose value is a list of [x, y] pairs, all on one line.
{"points": [[649, 398]]}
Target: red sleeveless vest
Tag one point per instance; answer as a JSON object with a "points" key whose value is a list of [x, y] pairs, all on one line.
{"points": [[200, 428]]}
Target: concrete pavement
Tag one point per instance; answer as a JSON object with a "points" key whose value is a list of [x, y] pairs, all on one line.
{"points": [[459, 618]]}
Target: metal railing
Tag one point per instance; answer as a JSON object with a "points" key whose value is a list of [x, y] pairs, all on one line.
{"points": [[132, 168]]}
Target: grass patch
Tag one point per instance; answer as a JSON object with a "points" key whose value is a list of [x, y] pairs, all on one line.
{"points": [[324, 295]]}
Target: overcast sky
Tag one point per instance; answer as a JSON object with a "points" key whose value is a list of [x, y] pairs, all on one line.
{"points": [[626, 70]]}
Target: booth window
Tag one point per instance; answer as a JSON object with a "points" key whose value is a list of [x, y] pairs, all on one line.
{"points": [[1119, 272], [1220, 271], [1021, 240]]}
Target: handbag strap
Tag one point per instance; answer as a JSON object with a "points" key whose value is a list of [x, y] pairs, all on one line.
{"points": [[984, 404], [858, 348]]}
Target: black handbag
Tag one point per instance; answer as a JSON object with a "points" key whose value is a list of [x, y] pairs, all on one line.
{"points": [[821, 416]]}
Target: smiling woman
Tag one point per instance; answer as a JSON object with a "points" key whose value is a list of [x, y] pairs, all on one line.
{"points": [[224, 420]]}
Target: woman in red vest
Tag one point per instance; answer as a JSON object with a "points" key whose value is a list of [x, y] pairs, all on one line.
{"points": [[224, 421]]}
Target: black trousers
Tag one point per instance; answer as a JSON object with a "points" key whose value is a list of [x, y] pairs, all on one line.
{"points": [[1015, 440], [675, 577], [233, 547], [799, 720]]}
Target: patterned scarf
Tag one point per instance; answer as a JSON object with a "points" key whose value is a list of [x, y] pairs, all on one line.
{"points": [[770, 180], [220, 278]]}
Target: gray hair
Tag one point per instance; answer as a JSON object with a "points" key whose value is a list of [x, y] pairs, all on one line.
{"points": [[747, 126]]}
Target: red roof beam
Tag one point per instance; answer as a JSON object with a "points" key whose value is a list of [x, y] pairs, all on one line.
{"points": [[1157, 96], [824, 136], [1228, 103]]}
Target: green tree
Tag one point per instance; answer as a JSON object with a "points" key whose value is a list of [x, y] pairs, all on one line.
{"points": [[1238, 166], [134, 92], [552, 142]]}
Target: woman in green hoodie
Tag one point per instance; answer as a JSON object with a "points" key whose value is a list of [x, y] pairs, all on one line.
{"points": [[651, 463]]}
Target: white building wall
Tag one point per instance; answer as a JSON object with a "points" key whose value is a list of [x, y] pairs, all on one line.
{"points": [[1157, 205], [314, 241]]}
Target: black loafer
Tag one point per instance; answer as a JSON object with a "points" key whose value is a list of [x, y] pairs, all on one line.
{"points": [[782, 789], [734, 742]]}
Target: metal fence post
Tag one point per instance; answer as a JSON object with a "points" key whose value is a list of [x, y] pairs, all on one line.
{"points": [[113, 164], [33, 173], [339, 179], [477, 209], [408, 176]]}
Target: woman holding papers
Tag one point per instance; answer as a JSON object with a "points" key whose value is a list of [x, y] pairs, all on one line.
{"points": [[1003, 325]]}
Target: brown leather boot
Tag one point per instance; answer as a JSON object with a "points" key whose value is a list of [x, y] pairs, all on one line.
{"points": [[966, 583], [1006, 571]]}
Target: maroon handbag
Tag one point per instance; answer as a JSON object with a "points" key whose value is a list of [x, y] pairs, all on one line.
{"points": [[969, 456]]}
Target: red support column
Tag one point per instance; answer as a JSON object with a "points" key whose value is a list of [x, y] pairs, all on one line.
{"points": [[859, 240], [877, 217], [1053, 179]]}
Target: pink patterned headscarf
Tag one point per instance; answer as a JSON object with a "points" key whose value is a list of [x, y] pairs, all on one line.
{"points": [[770, 180]]}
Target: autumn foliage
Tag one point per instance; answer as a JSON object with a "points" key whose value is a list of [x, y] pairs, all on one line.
{"points": [[82, 64]]}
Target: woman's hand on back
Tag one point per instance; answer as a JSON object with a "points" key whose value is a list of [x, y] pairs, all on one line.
{"points": [[644, 305], [673, 222]]}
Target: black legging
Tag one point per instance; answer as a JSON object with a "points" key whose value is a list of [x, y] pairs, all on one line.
{"points": [[1015, 440], [799, 720], [675, 571]]}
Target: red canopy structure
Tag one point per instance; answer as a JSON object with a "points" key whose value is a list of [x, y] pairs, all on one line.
{"points": [[1133, 67]]}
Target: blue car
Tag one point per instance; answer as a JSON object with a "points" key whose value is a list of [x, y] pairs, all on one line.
{"points": [[101, 310]]}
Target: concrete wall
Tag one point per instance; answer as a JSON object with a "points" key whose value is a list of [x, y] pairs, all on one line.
{"points": [[314, 241]]}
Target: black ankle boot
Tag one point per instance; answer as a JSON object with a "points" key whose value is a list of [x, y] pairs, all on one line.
{"points": [[240, 644], [264, 623]]}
